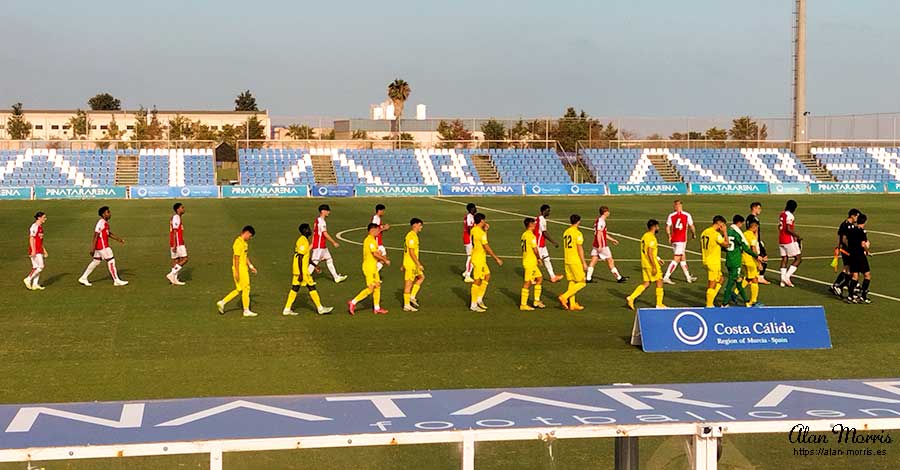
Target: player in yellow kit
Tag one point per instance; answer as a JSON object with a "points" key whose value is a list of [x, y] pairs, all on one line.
{"points": [[371, 258], [651, 266], [530, 256], [712, 240], [241, 267], [751, 264], [480, 272], [301, 276], [573, 250], [413, 271]]}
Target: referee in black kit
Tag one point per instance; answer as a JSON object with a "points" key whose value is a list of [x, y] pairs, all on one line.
{"points": [[755, 210]]}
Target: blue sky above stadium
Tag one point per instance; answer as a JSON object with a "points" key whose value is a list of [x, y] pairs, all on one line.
{"points": [[466, 58]]}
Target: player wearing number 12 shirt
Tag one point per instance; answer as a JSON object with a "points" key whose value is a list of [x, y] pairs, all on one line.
{"points": [[677, 225]]}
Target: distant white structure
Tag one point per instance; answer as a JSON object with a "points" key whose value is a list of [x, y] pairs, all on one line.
{"points": [[420, 112], [385, 111]]}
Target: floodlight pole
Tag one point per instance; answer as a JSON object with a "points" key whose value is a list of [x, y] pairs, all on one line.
{"points": [[801, 136]]}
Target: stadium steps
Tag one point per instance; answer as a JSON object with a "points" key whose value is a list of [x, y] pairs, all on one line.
{"points": [[816, 168], [487, 172], [126, 170], [665, 168], [323, 169]]}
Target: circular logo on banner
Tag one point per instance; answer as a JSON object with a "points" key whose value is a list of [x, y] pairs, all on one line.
{"points": [[323, 191], [690, 340], [142, 192], [185, 192], [779, 188], [575, 189], [536, 189]]}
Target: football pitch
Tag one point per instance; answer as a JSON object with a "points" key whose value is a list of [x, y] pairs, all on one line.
{"points": [[151, 340]]}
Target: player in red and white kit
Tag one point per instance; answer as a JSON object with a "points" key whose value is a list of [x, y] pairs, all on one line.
{"points": [[176, 244], [677, 225], [36, 252], [100, 249], [376, 219], [320, 249], [468, 223], [601, 251], [788, 243], [543, 236]]}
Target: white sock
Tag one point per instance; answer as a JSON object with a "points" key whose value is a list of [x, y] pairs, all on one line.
{"points": [[379, 265], [671, 269], [331, 268], [311, 268], [35, 277], [783, 274], [615, 272], [684, 268], [111, 264], [590, 273], [790, 272], [549, 266], [90, 268], [468, 271]]}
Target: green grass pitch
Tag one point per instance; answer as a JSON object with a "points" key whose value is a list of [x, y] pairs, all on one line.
{"points": [[151, 340]]}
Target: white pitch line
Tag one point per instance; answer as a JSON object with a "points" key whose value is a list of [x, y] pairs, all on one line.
{"points": [[501, 211]]}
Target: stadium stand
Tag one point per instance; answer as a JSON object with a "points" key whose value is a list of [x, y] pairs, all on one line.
{"points": [[858, 165], [176, 167], [51, 167], [276, 167], [377, 167], [526, 165], [621, 166]]}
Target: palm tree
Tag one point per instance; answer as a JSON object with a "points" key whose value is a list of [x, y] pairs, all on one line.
{"points": [[300, 132], [398, 92]]}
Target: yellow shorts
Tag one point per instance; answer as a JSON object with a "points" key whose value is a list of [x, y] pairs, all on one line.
{"points": [[575, 272], [410, 272], [532, 272], [752, 271], [714, 274], [480, 271], [647, 277], [372, 276], [245, 280], [298, 280]]}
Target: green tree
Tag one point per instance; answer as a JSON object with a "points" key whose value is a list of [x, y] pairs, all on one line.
{"points": [[181, 128], [407, 141], [201, 131], [714, 133], [398, 92], [104, 102], [745, 128], [571, 128], [301, 132], [360, 134], [16, 125], [245, 102], [690, 135], [329, 135], [252, 129], [112, 132], [453, 130], [154, 127], [140, 125], [610, 132], [519, 131], [493, 130], [79, 124], [654, 136]]}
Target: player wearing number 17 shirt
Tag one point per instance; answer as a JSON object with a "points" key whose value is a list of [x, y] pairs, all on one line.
{"points": [[677, 225]]}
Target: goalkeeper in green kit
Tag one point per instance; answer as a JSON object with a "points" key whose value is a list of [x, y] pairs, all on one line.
{"points": [[737, 245]]}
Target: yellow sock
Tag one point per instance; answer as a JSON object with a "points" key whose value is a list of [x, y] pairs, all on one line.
{"points": [[637, 292], [523, 299], [474, 293], [245, 298], [754, 292], [483, 290], [579, 286], [659, 295], [362, 295], [537, 293], [376, 297], [406, 299], [716, 290], [744, 283], [415, 290], [314, 296], [710, 298], [231, 295], [292, 296]]}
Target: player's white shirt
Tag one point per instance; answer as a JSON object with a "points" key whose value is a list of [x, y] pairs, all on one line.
{"points": [[33, 231], [376, 219]]}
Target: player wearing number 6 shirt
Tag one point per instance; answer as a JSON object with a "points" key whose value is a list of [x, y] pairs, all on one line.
{"points": [[176, 244], [788, 243], [320, 249], [36, 252], [100, 249], [376, 219], [677, 225], [601, 251], [468, 223]]}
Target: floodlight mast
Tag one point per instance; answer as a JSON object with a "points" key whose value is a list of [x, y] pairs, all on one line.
{"points": [[801, 135]]}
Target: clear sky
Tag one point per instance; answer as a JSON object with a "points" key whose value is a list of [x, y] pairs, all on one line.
{"points": [[461, 57]]}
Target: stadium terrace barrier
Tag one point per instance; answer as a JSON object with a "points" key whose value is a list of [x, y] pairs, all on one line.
{"points": [[346, 190], [704, 412], [730, 329]]}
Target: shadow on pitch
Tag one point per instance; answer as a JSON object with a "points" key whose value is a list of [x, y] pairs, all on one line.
{"points": [[53, 279]]}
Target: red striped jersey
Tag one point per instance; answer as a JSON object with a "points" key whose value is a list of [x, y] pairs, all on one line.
{"points": [[376, 219], [468, 223], [539, 228], [102, 231], [37, 232], [176, 231], [679, 223], [600, 233], [319, 229], [785, 224]]}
